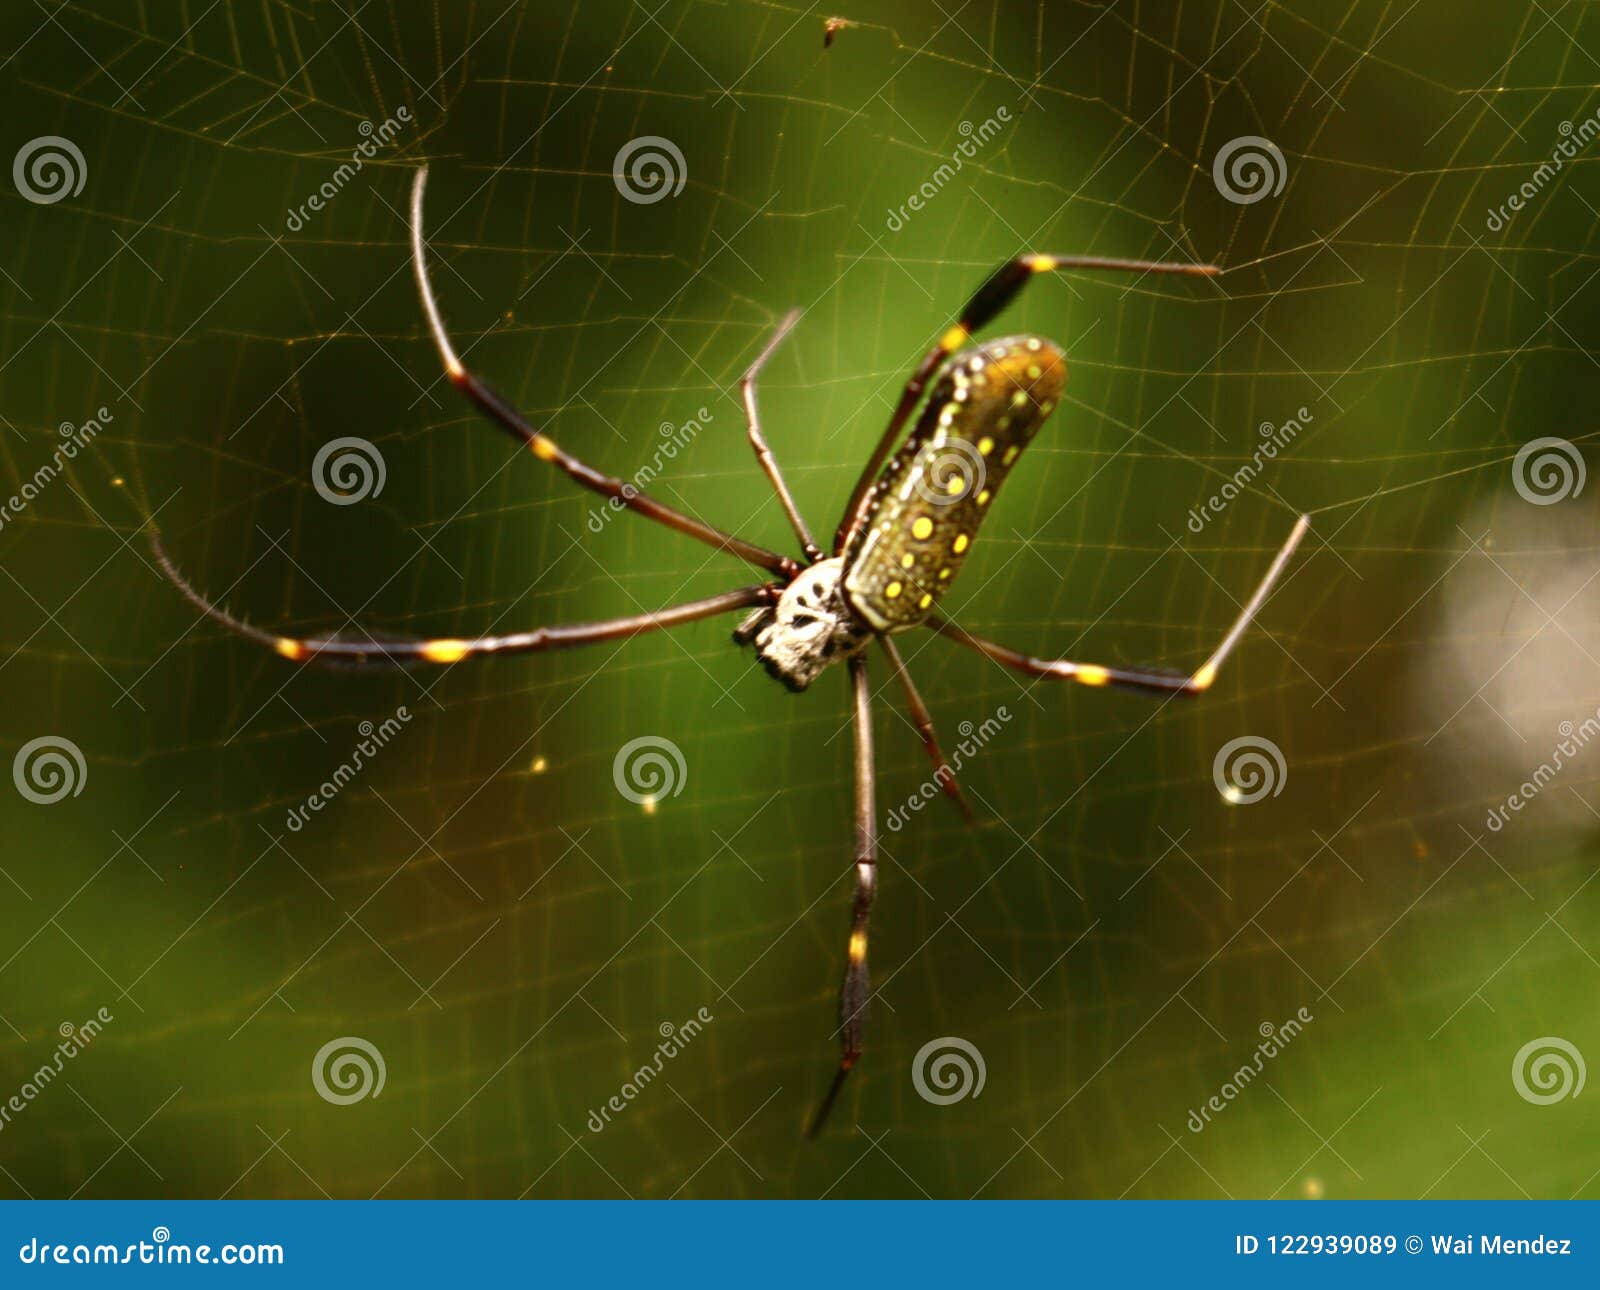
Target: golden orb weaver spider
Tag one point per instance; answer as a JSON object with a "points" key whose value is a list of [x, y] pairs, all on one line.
{"points": [[902, 540]]}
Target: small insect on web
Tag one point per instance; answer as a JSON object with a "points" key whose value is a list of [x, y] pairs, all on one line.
{"points": [[910, 521]]}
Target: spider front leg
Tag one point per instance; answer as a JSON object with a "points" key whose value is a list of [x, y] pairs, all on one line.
{"points": [[856, 988], [758, 441], [993, 296], [1195, 683], [542, 446]]}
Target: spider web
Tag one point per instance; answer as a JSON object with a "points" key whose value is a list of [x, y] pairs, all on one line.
{"points": [[485, 908]]}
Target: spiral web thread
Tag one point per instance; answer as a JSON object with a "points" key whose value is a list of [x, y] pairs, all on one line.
{"points": [[505, 915]]}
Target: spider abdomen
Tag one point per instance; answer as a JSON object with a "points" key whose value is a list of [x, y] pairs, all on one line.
{"points": [[935, 492]]}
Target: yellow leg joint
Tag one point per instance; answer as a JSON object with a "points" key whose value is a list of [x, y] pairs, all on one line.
{"points": [[445, 651], [1089, 674], [954, 339], [292, 650], [858, 946]]}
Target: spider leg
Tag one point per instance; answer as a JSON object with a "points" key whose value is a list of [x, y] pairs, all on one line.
{"points": [[942, 774], [545, 448], [1150, 681], [758, 441], [856, 988], [993, 296], [398, 650]]}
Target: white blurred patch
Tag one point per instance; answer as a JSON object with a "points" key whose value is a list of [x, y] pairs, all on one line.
{"points": [[1516, 671]]}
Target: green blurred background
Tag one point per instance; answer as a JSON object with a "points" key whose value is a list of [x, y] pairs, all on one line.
{"points": [[484, 908]]}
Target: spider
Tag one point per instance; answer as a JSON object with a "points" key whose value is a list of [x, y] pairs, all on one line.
{"points": [[907, 528]]}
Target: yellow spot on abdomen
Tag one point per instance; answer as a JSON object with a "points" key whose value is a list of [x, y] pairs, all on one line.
{"points": [[985, 446], [445, 651], [922, 528], [907, 560], [961, 543], [983, 497], [926, 600], [892, 590]]}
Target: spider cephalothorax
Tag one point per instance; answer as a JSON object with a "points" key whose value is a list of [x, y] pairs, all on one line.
{"points": [[810, 627], [904, 535]]}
